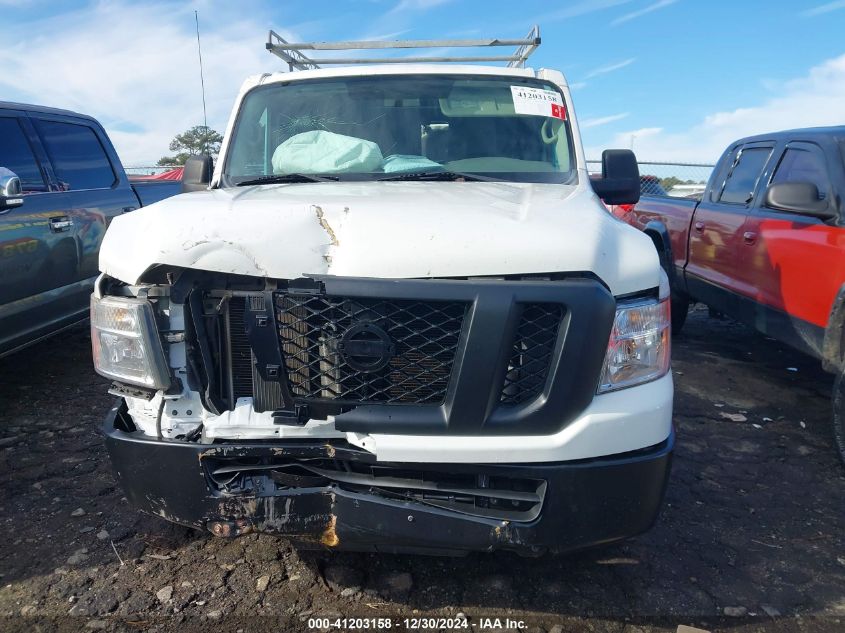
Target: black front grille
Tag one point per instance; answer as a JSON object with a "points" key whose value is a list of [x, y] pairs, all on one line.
{"points": [[239, 350], [422, 356], [422, 336], [531, 354]]}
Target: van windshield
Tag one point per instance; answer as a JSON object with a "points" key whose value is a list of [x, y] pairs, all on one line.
{"points": [[377, 127]]}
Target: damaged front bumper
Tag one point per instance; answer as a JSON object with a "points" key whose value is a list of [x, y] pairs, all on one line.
{"points": [[334, 495]]}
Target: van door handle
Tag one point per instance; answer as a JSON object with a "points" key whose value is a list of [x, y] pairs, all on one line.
{"points": [[60, 224], [127, 209], [699, 226], [749, 237]]}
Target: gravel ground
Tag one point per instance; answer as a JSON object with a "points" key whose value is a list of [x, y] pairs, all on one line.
{"points": [[751, 537]]}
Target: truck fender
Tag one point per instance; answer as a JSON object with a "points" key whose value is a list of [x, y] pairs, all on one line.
{"points": [[659, 234], [833, 348]]}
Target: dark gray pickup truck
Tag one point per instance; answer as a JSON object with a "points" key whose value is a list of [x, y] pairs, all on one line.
{"points": [[61, 184]]}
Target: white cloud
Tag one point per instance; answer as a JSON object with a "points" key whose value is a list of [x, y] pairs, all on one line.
{"points": [[417, 5], [603, 70], [400, 19], [644, 11], [603, 120], [134, 67], [816, 99], [395, 35], [824, 8], [579, 8]]}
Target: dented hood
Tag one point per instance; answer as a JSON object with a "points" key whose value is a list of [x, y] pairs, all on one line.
{"points": [[383, 229]]}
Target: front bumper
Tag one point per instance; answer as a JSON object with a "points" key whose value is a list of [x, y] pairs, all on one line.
{"points": [[585, 503]]}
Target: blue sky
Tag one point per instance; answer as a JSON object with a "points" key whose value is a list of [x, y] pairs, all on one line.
{"points": [[679, 78]]}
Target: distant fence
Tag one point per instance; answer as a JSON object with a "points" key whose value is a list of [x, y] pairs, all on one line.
{"points": [[678, 180], [148, 170]]}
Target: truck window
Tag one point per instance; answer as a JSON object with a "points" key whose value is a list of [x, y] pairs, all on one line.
{"points": [[78, 158], [362, 128], [16, 154], [742, 181], [800, 165]]}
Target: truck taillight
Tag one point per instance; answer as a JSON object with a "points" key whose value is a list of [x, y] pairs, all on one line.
{"points": [[621, 210]]}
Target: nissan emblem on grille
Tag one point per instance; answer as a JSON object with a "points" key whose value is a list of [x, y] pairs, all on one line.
{"points": [[366, 347], [358, 350]]}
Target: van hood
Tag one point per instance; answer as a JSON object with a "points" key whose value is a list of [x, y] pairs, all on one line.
{"points": [[383, 229]]}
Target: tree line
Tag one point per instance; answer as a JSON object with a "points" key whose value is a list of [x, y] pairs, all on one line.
{"points": [[196, 140]]}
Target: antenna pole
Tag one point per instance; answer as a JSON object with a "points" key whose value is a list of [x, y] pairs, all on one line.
{"points": [[202, 82]]}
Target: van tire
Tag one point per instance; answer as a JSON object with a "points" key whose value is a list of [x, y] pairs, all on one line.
{"points": [[839, 414]]}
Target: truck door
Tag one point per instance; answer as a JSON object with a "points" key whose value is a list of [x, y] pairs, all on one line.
{"points": [[25, 238], [716, 235], [23, 233], [794, 260], [33, 261], [96, 188]]}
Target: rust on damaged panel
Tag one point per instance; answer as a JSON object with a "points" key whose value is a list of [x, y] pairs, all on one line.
{"points": [[330, 537]]}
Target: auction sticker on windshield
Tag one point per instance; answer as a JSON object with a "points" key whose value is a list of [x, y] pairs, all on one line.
{"points": [[538, 101]]}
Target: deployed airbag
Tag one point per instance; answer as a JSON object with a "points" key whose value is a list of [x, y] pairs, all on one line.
{"points": [[408, 162], [322, 152]]}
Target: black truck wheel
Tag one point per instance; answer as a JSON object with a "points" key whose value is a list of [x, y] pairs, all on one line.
{"points": [[839, 414]]}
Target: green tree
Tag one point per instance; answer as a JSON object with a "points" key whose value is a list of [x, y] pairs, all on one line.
{"points": [[196, 140], [669, 182]]}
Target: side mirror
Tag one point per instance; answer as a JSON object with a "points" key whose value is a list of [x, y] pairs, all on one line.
{"points": [[197, 173], [798, 197], [10, 190], [620, 177]]}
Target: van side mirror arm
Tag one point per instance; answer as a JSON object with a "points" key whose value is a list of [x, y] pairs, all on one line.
{"points": [[197, 173], [620, 177]]}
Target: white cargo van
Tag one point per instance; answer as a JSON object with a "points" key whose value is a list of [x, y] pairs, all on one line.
{"points": [[396, 316]]}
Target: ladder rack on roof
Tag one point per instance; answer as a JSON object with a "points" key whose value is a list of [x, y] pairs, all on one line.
{"points": [[296, 60]]}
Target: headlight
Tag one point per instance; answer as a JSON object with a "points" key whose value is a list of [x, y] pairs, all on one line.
{"points": [[639, 347], [125, 342]]}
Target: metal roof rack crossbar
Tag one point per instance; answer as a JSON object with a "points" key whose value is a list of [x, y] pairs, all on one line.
{"points": [[291, 52]]}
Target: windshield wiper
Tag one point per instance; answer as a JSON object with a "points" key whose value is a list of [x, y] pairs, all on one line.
{"points": [[283, 178], [441, 175]]}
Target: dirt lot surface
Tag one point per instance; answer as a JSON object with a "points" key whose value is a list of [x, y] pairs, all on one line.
{"points": [[752, 537]]}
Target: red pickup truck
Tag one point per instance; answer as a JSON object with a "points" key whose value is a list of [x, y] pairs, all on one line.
{"points": [[765, 244]]}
